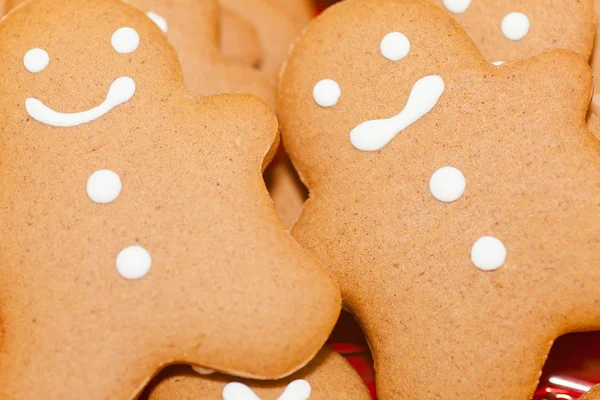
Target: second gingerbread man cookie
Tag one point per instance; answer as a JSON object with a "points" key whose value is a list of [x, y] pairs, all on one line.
{"points": [[451, 198]]}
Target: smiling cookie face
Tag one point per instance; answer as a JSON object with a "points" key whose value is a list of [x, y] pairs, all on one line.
{"points": [[195, 37], [447, 195], [137, 230], [327, 377], [507, 30]]}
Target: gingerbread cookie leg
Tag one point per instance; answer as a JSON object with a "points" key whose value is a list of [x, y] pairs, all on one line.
{"points": [[137, 231], [447, 195]]}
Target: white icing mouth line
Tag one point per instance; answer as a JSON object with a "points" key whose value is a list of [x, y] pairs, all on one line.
{"points": [[375, 134], [121, 91]]}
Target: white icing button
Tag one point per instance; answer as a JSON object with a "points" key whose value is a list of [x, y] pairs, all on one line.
{"points": [[488, 253], [395, 46], [498, 63], [36, 60], [158, 20], [296, 390], [447, 184], [104, 186], [457, 6], [238, 391], [515, 26], [327, 92], [134, 262], [203, 371], [125, 40]]}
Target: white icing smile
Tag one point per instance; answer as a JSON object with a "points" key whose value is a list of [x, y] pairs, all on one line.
{"points": [[121, 91], [375, 134]]}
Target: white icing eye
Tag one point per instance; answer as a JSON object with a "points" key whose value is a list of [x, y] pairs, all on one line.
{"points": [[203, 371], [457, 6], [125, 40], [158, 20], [498, 63], [488, 253], [36, 60], [104, 186], [395, 46], [447, 184], [515, 26], [134, 262], [327, 92]]}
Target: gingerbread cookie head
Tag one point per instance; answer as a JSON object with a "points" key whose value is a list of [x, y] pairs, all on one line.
{"points": [[137, 231], [508, 30], [449, 197], [327, 377], [192, 27]]}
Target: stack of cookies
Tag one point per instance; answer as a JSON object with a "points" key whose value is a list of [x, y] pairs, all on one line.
{"points": [[156, 241]]}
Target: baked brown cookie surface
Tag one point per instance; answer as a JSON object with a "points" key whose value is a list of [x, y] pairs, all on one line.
{"points": [[593, 394], [137, 231], [508, 30], [327, 377], [449, 197]]}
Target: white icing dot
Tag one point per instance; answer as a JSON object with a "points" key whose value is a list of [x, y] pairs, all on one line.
{"points": [[515, 26], [238, 391], [327, 92], [498, 63], [158, 20], [203, 371], [134, 262], [457, 6], [447, 184], [104, 186], [395, 46], [125, 40], [488, 253], [36, 60]]}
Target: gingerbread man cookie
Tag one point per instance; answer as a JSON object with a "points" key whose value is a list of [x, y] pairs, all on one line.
{"points": [[593, 394], [327, 377], [192, 27], [508, 30], [450, 198], [136, 228]]}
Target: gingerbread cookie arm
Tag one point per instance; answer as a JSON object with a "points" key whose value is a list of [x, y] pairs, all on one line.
{"points": [[239, 40], [275, 29]]}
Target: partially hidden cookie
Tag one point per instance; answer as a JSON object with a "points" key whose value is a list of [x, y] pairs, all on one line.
{"points": [[136, 228], [449, 197], [192, 27], [508, 30], [276, 30], [239, 40], [327, 377], [594, 116], [302, 11], [593, 394]]}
